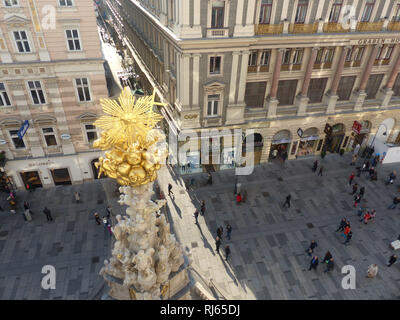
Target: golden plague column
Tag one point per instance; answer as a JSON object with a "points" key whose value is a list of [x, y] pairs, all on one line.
{"points": [[147, 262]]}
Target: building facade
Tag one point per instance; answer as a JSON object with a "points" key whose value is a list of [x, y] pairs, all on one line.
{"points": [[322, 66], [51, 75]]}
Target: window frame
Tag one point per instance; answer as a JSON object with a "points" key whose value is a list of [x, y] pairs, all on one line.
{"points": [[77, 87], [86, 131], [73, 39], [368, 6], [301, 9], [263, 11], [253, 58], [66, 4], [11, 5], [22, 41], [15, 135], [210, 57], [53, 133], [262, 57], [296, 54], [4, 96], [215, 15], [336, 9], [396, 13], [214, 114], [35, 89]]}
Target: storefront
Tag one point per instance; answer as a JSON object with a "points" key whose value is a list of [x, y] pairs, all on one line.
{"points": [[53, 171], [308, 142], [334, 139], [361, 138], [192, 163], [280, 145], [254, 149]]}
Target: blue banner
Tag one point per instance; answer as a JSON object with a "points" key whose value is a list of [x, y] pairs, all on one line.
{"points": [[23, 129]]}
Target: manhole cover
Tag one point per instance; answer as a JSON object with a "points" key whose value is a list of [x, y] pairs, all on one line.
{"points": [[310, 225]]}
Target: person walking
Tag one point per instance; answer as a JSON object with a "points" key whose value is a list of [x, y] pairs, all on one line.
{"points": [[27, 206], [372, 271], [287, 202], [313, 263], [348, 238], [329, 265], [312, 246], [27, 215], [346, 231], [362, 191], [203, 207], [315, 166], [228, 231], [217, 244], [77, 197], [170, 189], [354, 159], [355, 188], [328, 256], [366, 217], [321, 169], [196, 216], [396, 201], [109, 211], [351, 178], [342, 225], [97, 218], [227, 252], [220, 231], [105, 222], [47, 212], [393, 259], [357, 200]]}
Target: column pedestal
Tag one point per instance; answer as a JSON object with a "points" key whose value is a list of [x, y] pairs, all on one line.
{"points": [[359, 98], [330, 100], [301, 103], [272, 105], [384, 95]]}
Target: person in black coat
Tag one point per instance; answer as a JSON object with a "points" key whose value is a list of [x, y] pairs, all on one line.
{"points": [[287, 202], [329, 265], [217, 244], [327, 257], [393, 259], [315, 166], [227, 252], [314, 263], [310, 249], [342, 225]]}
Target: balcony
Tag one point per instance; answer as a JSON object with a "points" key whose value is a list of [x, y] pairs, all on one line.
{"points": [[334, 27], [217, 32], [259, 68], [369, 26], [251, 69], [303, 28], [265, 29], [326, 65], [394, 26], [381, 62]]}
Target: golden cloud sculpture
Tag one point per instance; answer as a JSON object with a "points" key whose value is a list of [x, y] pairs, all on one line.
{"points": [[134, 154]]}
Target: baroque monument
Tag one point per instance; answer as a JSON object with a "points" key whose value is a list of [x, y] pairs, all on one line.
{"points": [[147, 262]]}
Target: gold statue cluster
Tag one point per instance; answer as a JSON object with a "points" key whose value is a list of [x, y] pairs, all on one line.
{"points": [[134, 155]]}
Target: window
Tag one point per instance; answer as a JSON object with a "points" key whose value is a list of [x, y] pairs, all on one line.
{"points": [[49, 136], [297, 57], [18, 143], [345, 88], [253, 58], [36, 92], [254, 94], [301, 11], [11, 3], [91, 133], [373, 85], [215, 65], [359, 53], [355, 54], [4, 100], [316, 89], [217, 14], [329, 53], [369, 6], [73, 40], [388, 52], [82, 86], [335, 11], [212, 105], [21, 40], [396, 16], [286, 56], [286, 92], [384, 52], [325, 55], [265, 57], [265, 11], [66, 3]]}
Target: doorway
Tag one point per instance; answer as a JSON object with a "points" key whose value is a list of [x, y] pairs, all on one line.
{"points": [[61, 177], [31, 177]]}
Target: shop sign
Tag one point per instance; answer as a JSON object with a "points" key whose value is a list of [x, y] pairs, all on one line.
{"points": [[375, 41], [357, 127], [300, 132], [65, 136], [38, 164]]}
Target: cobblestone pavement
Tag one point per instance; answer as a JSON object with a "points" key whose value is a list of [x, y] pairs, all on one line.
{"points": [[268, 243], [74, 244]]}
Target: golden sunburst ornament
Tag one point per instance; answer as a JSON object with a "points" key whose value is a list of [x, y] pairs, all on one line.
{"points": [[134, 156]]}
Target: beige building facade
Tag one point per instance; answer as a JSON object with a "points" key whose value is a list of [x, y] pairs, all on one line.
{"points": [[273, 66], [51, 75]]}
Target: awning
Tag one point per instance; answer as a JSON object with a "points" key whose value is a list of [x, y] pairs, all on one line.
{"points": [[282, 141], [309, 138]]}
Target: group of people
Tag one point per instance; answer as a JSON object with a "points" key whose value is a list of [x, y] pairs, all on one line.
{"points": [[218, 240], [106, 220], [328, 259], [315, 167]]}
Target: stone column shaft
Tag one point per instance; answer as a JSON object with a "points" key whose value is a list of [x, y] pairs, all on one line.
{"points": [[339, 70], [368, 68], [394, 73], [276, 74], [307, 76]]}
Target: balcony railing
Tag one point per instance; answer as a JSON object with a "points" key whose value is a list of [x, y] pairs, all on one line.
{"points": [[334, 27], [394, 26], [259, 68], [369, 26], [217, 32], [303, 28], [265, 29], [251, 69]]}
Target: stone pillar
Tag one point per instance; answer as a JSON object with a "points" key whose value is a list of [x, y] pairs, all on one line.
{"points": [[195, 93], [302, 99], [234, 74], [332, 96], [184, 79], [248, 29], [243, 77], [361, 95], [273, 102], [385, 94], [188, 31]]}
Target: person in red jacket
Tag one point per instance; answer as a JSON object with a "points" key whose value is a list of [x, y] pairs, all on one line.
{"points": [[347, 230], [238, 198], [351, 178], [366, 218]]}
